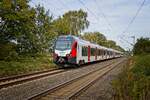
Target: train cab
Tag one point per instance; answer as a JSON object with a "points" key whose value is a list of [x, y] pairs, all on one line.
{"points": [[65, 50]]}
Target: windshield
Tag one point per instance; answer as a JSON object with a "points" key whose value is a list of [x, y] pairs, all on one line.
{"points": [[63, 43]]}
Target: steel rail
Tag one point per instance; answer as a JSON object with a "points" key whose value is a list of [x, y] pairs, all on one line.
{"points": [[64, 84], [10, 81], [18, 79], [84, 88], [7, 78]]}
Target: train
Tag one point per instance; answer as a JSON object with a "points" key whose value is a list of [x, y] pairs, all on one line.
{"points": [[72, 50]]}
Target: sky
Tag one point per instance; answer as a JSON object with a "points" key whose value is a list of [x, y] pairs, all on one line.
{"points": [[110, 17]]}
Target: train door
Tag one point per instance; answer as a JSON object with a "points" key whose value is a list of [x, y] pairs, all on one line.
{"points": [[102, 54], [89, 51], [96, 54], [79, 53]]}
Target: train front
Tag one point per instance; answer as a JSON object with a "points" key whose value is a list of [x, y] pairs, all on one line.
{"points": [[65, 51]]}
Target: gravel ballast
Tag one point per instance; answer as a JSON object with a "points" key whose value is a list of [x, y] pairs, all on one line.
{"points": [[25, 90], [102, 89]]}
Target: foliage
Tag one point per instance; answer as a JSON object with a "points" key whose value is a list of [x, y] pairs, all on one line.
{"points": [[28, 31], [99, 38], [61, 26], [24, 30], [142, 46], [95, 37], [44, 29], [26, 64], [72, 22], [8, 51], [133, 84], [142, 65], [16, 25]]}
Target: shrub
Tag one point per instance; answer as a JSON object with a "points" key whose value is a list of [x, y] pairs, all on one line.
{"points": [[133, 84]]}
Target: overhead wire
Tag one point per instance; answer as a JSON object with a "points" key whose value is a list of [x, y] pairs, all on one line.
{"points": [[131, 22], [134, 17], [81, 2], [103, 14], [97, 18]]}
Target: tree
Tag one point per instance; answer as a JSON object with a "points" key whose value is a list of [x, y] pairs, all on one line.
{"points": [[99, 38], [72, 22], [44, 29], [119, 48], [111, 43], [16, 25], [142, 46], [95, 37], [61, 26]]}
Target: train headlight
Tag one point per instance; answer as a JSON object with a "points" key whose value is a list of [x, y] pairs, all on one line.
{"points": [[68, 55], [55, 55]]}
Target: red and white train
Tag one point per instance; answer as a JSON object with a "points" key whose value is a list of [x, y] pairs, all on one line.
{"points": [[74, 50]]}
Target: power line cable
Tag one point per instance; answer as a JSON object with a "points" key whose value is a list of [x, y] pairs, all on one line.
{"points": [[81, 2], [134, 17], [103, 14], [127, 42], [97, 18]]}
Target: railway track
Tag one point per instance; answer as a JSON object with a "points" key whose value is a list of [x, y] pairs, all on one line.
{"points": [[14, 80], [19, 79], [70, 89]]}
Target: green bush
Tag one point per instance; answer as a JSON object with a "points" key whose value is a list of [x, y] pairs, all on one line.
{"points": [[134, 84], [142, 65], [142, 46], [8, 52], [26, 64]]}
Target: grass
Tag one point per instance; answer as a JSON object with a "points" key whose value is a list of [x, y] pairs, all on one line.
{"points": [[26, 64], [134, 82]]}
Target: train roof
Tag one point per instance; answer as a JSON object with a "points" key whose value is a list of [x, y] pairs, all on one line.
{"points": [[90, 43]]}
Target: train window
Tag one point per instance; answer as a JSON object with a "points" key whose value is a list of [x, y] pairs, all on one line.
{"points": [[93, 51], [64, 43], [84, 51], [105, 52], [108, 52], [97, 51], [100, 52]]}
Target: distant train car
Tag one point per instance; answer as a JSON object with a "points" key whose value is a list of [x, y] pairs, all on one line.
{"points": [[74, 50]]}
